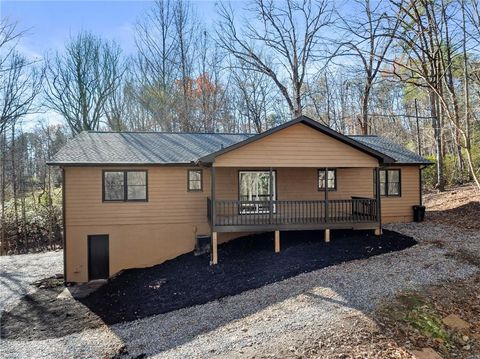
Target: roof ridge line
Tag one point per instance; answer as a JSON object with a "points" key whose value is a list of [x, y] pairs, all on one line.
{"points": [[174, 133], [365, 136]]}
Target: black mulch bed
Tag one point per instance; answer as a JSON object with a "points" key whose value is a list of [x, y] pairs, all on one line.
{"points": [[245, 263]]}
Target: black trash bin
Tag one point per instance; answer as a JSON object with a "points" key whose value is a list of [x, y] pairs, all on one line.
{"points": [[418, 213]]}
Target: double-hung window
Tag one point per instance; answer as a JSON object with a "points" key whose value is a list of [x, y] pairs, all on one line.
{"points": [[195, 180], [390, 183], [330, 179], [125, 186], [255, 188]]}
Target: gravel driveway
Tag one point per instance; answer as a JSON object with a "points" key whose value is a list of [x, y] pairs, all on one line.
{"points": [[19, 271], [279, 317]]}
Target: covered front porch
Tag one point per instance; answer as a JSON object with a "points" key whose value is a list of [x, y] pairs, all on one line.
{"points": [[285, 199]]}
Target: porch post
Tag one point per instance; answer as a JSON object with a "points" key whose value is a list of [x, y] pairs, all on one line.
{"points": [[212, 193], [378, 231], [271, 197], [325, 190], [213, 251], [327, 212]]}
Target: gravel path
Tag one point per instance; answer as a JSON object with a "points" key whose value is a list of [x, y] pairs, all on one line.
{"points": [[279, 317], [189, 280], [19, 271]]}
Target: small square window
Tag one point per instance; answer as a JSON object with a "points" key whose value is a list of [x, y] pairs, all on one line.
{"points": [[331, 180], [195, 180]]}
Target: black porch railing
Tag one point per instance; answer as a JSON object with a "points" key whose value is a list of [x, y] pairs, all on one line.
{"points": [[303, 212]]}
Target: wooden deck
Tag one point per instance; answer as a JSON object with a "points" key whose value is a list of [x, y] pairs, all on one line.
{"points": [[234, 216]]}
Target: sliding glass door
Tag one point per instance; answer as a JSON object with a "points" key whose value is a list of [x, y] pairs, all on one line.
{"points": [[254, 190]]}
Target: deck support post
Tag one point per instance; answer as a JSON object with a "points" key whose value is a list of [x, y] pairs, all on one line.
{"points": [[378, 231], [277, 241], [214, 259], [327, 235]]}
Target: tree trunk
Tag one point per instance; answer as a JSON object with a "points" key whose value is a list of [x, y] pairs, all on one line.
{"points": [[438, 141], [3, 238], [298, 110], [466, 96], [14, 179], [364, 119]]}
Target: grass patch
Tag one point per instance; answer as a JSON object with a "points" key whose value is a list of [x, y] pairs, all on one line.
{"points": [[428, 323], [415, 311]]}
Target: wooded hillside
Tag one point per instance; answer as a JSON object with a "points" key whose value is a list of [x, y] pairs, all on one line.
{"points": [[408, 70]]}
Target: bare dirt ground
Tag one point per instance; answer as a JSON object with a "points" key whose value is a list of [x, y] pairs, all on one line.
{"points": [[458, 206]]}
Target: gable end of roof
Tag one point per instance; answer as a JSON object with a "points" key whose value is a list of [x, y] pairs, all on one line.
{"points": [[210, 158]]}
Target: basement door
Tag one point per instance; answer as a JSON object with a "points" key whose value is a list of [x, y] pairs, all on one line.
{"points": [[98, 257]]}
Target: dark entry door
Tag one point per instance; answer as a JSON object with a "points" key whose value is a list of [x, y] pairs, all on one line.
{"points": [[98, 261]]}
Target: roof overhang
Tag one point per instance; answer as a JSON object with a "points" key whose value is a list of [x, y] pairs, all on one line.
{"points": [[382, 158], [121, 164], [424, 164]]}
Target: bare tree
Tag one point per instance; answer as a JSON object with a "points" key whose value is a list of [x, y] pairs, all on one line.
{"points": [[418, 63], [186, 29], [81, 80], [281, 42], [426, 65], [20, 78], [154, 64], [255, 97], [447, 65], [473, 14], [209, 94], [20, 84], [369, 34], [120, 106]]}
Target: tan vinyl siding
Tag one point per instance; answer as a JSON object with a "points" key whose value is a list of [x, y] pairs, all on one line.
{"points": [[301, 183], [399, 209], [168, 198], [296, 146], [141, 233], [147, 233]]}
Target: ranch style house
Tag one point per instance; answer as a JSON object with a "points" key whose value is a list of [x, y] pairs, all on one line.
{"points": [[137, 199]]}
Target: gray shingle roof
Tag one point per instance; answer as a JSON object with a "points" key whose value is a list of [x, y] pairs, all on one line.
{"points": [[143, 148], [399, 153], [91, 147]]}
